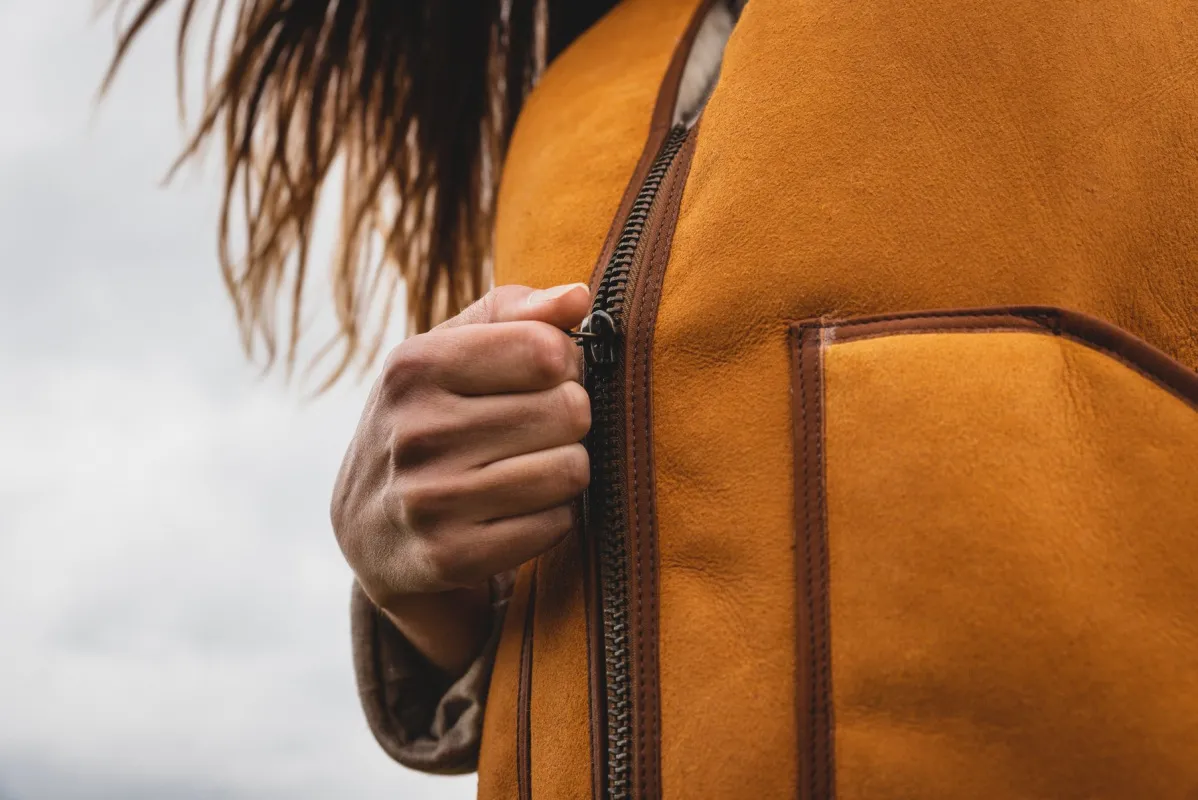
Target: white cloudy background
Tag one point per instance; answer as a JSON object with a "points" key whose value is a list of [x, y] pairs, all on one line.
{"points": [[173, 607]]}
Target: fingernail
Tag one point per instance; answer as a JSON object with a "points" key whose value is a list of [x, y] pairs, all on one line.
{"points": [[545, 295]]}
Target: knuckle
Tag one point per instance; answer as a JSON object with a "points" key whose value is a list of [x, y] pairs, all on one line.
{"points": [[547, 353], [577, 408], [442, 563], [435, 560], [422, 504], [413, 442], [405, 366], [576, 468], [559, 522]]}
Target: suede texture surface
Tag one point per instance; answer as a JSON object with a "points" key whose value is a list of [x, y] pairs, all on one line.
{"points": [[497, 773], [1014, 571], [560, 699], [874, 157], [577, 142]]}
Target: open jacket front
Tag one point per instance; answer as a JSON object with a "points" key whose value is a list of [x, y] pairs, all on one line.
{"points": [[895, 486]]}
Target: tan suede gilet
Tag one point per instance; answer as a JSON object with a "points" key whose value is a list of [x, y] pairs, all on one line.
{"points": [[908, 436]]}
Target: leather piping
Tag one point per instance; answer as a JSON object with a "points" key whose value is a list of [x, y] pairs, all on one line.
{"points": [[813, 661], [659, 127], [648, 279], [524, 696], [598, 708], [1155, 365]]}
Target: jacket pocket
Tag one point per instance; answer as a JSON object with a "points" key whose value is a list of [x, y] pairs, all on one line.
{"points": [[996, 559]]}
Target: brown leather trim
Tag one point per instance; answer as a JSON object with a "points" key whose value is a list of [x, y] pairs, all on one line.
{"points": [[524, 696], [592, 610], [813, 652], [648, 278], [659, 127], [1135, 353]]}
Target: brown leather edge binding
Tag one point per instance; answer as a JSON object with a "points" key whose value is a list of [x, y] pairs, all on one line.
{"points": [[592, 611], [659, 126], [643, 577], [524, 696], [594, 633], [813, 657], [1133, 352]]}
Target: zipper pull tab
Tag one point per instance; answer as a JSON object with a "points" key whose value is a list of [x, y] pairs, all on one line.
{"points": [[597, 335]]}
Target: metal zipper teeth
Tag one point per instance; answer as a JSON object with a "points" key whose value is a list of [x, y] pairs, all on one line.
{"points": [[614, 285], [613, 588], [604, 374]]}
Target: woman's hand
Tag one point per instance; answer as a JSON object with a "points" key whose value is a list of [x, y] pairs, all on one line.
{"points": [[465, 463]]}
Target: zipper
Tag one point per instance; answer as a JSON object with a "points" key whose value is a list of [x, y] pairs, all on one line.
{"points": [[602, 337], [601, 332]]}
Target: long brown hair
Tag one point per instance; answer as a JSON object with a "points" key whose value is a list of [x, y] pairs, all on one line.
{"points": [[417, 98]]}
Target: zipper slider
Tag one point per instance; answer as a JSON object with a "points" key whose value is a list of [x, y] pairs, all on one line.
{"points": [[597, 335]]}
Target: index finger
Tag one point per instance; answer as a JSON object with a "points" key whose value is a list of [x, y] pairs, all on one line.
{"points": [[502, 358]]}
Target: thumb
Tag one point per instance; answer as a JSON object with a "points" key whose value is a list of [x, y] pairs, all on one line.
{"points": [[563, 307]]}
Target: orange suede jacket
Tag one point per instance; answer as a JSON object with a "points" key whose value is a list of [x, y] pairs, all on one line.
{"points": [[895, 490]]}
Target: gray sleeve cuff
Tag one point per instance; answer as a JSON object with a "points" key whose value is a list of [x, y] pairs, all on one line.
{"points": [[421, 718]]}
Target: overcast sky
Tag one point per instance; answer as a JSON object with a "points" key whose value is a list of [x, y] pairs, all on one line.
{"points": [[173, 607]]}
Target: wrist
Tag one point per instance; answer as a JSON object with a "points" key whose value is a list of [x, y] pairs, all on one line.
{"points": [[449, 628]]}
